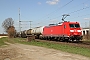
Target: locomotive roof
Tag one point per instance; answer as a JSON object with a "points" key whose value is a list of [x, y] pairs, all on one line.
{"points": [[60, 23], [73, 22]]}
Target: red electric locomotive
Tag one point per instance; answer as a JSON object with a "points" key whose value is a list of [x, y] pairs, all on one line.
{"points": [[63, 31]]}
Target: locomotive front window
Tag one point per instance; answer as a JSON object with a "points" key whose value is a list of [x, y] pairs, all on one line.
{"points": [[71, 25], [74, 25], [77, 25]]}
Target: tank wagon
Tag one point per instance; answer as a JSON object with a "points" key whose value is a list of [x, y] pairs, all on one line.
{"points": [[38, 31]]}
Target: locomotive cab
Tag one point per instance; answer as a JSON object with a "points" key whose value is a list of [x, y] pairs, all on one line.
{"points": [[75, 31]]}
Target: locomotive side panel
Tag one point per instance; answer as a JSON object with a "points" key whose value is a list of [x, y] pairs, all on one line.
{"points": [[53, 30], [66, 29], [57, 30], [47, 31]]}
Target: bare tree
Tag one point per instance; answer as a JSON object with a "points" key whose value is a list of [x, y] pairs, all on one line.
{"points": [[8, 26], [7, 23]]}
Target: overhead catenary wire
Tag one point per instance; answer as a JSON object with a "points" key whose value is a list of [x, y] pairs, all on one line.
{"points": [[79, 16], [79, 10], [47, 16], [61, 7], [73, 11]]}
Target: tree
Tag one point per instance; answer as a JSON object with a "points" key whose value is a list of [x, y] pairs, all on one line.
{"points": [[8, 26], [7, 23], [11, 32]]}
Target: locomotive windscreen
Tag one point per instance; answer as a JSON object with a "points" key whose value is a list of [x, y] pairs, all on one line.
{"points": [[74, 25]]}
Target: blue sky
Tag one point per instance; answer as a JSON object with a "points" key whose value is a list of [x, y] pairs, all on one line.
{"points": [[44, 12]]}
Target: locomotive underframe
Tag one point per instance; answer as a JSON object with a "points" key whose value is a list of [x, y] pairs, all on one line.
{"points": [[76, 37], [62, 37]]}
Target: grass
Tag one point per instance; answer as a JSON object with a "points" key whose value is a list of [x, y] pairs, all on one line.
{"points": [[2, 41], [65, 48], [5, 39]]}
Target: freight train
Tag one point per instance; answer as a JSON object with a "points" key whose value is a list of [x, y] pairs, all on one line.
{"points": [[63, 31]]}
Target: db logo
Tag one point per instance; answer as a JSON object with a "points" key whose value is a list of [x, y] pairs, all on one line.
{"points": [[75, 30]]}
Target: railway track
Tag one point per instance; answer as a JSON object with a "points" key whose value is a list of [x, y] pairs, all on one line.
{"points": [[82, 44]]}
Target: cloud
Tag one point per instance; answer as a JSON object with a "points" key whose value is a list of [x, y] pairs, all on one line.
{"points": [[86, 18], [52, 2], [54, 21], [86, 5], [39, 3]]}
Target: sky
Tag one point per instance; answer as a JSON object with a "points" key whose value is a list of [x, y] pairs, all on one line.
{"points": [[44, 12]]}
